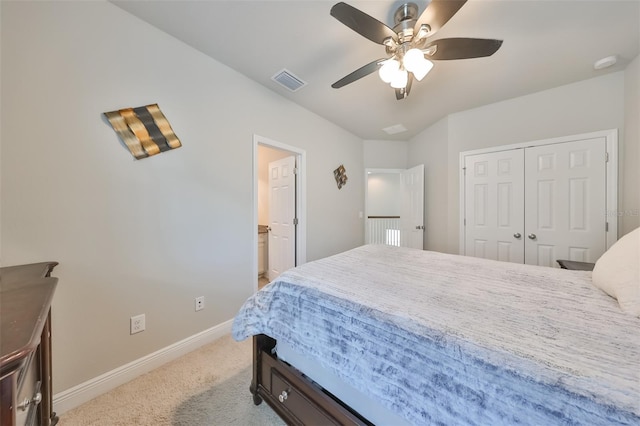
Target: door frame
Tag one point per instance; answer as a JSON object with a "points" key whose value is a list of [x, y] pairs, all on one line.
{"points": [[301, 200], [611, 143], [399, 172], [367, 172]]}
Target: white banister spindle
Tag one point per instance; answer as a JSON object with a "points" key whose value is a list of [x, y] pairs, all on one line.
{"points": [[383, 230]]}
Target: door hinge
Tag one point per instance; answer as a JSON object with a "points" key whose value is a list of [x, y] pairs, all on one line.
{"points": [[295, 220], [606, 157], [464, 222], [295, 170], [464, 171], [606, 227]]}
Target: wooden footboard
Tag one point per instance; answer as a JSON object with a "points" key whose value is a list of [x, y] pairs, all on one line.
{"points": [[297, 399]]}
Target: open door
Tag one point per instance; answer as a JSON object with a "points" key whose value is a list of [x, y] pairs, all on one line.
{"points": [[412, 213], [282, 214]]}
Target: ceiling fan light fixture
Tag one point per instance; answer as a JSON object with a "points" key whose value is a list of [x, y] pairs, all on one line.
{"points": [[423, 69], [388, 70], [390, 43], [422, 32], [413, 59], [406, 43], [415, 62], [400, 79]]}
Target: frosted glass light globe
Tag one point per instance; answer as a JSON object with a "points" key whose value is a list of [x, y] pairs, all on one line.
{"points": [[400, 79], [423, 69], [413, 59], [415, 62], [388, 70]]}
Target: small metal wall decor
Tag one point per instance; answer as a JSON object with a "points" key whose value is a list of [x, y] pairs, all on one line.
{"points": [[144, 130], [341, 176]]}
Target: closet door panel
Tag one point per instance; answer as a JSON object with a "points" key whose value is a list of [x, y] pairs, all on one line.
{"points": [[565, 202], [494, 206]]}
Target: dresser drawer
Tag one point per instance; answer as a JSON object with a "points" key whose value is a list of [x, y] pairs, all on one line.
{"points": [[301, 407], [26, 292], [29, 392]]}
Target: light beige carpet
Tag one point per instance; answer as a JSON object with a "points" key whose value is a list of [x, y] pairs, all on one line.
{"points": [[209, 386]]}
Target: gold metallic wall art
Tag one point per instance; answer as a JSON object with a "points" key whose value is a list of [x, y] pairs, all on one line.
{"points": [[341, 176], [144, 130]]}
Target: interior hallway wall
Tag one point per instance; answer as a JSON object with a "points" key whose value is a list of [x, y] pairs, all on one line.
{"points": [[144, 236], [629, 211]]}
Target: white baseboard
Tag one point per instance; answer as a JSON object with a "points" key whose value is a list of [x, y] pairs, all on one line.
{"points": [[77, 395]]}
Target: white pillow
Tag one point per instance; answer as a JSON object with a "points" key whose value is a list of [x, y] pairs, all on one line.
{"points": [[617, 272]]}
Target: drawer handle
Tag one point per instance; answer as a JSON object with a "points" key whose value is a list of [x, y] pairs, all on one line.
{"points": [[37, 398], [283, 396]]}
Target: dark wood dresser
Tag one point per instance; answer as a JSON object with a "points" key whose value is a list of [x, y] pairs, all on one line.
{"points": [[26, 394]]}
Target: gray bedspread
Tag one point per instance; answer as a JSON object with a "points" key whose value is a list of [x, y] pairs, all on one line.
{"points": [[453, 340]]}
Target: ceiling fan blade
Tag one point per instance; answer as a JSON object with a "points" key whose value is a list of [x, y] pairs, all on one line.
{"points": [[362, 23], [462, 48], [438, 13], [359, 73]]}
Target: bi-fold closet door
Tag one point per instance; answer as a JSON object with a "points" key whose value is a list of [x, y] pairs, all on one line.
{"points": [[537, 204]]}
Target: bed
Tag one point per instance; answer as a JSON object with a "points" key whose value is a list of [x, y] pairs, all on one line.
{"points": [[422, 337]]}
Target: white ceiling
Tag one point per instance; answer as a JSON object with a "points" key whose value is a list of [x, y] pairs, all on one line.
{"points": [[547, 43]]}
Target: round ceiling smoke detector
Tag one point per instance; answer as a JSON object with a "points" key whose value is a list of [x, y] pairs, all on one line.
{"points": [[605, 62]]}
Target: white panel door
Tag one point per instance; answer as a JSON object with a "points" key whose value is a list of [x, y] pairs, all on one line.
{"points": [[566, 202], [412, 208], [282, 212], [494, 205]]}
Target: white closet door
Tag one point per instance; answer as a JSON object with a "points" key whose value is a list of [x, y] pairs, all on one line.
{"points": [[494, 205], [565, 187]]}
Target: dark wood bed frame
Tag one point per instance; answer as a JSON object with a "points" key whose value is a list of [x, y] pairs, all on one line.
{"points": [[291, 394]]}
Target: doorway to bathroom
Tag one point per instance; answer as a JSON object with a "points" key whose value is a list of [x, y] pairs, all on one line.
{"points": [[279, 208]]}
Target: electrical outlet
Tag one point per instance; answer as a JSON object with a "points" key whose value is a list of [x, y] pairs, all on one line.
{"points": [[137, 324], [199, 303]]}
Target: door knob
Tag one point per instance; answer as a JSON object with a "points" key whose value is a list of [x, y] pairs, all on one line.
{"points": [[283, 396], [532, 236], [517, 235]]}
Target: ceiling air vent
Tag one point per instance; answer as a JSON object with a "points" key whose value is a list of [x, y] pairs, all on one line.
{"points": [[396, 128], [287, 79]]}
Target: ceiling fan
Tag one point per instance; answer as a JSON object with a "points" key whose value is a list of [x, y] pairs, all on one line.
{"points": [[407, 43]]}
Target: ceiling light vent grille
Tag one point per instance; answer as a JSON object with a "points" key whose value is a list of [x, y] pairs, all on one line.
{"points": [[396, 128], [287, 79]]}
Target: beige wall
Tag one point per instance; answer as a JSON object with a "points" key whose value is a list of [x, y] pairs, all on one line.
{"points": [[629, 214], [590, 105], [383, 194], [144, 236], [379, 154]]}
